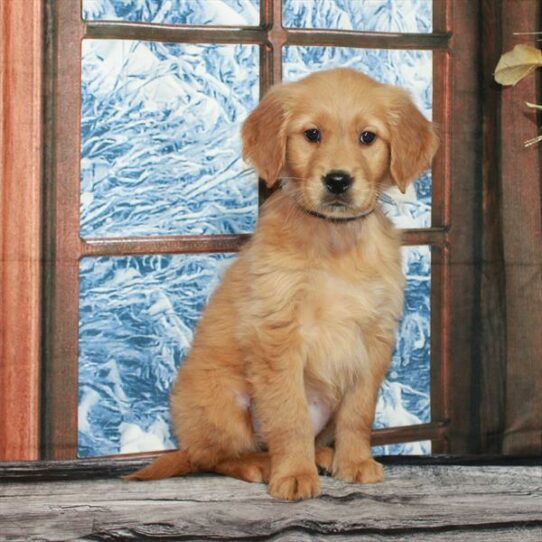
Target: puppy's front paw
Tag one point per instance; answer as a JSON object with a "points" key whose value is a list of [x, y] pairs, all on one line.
{"points": [[295, 487], [363, 472]]}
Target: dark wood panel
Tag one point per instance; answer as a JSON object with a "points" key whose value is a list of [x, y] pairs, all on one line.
{"points": [[465, 206], [416, 502], [522, 242], [489, 348], [21, 37]]}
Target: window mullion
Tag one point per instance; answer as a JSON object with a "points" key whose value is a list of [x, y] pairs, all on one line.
{"points": [[127, 246]]}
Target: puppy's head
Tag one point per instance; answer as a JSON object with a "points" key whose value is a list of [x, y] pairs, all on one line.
{"points": [[334, 137]]}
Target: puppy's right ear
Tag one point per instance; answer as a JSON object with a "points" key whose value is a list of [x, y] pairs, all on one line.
{"points": [[264, 135]]}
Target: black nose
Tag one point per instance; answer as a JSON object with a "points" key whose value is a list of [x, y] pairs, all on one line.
{"points": [[338, 182]]}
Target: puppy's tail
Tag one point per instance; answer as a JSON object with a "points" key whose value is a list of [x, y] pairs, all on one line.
{"points": [[171, 464]]}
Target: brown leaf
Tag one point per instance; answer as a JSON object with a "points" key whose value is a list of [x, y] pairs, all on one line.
{"points": [[514, 65]]}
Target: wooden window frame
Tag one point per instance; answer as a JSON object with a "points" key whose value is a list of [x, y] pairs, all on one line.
{"points": [[465, 101], [61, 334]]}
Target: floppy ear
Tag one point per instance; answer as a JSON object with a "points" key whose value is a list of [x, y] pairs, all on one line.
{"points": [[264, 135], [413, 140]]}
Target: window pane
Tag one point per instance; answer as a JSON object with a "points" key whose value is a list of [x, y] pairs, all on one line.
{"points": [[361, 15], [195, 12], [409, 69], [160, 149], [404, 398], [137, 317]]}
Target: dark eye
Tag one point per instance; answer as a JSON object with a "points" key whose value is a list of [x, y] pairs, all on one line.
{"points": [[366, 138], [313, 135]]}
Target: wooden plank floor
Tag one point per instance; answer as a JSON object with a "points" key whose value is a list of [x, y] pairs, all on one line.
{"points": [[418, 502]]}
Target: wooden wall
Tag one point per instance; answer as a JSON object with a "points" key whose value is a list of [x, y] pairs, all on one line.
{"points": [[521, 222], [21, 50], [497, 380]]}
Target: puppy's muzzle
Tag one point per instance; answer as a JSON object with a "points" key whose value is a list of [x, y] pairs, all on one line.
{"points": [[337, 182]]}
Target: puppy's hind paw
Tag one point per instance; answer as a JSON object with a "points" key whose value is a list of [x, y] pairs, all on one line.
{"points": [[324, 460]]}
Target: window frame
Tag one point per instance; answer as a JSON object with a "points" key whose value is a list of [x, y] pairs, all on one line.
{"points": [[64, 248]]}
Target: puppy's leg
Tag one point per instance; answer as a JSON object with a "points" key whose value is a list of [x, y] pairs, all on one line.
{"points": [[212, 423], [282, 411], [353, 461]]}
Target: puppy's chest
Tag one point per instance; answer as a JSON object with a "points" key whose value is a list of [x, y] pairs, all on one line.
{"points": [[338, 316]]}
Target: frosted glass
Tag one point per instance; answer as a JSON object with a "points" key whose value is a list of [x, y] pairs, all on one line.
{"points": [[160, 145], [410, 69], [137, 318], [194, 12], [404, 398], [360, 15]]}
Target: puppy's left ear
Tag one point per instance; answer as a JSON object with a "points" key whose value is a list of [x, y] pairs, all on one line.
{"points": [[264, 134], [413, 143]]}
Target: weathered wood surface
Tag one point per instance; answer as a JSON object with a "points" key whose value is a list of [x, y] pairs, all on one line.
{"points": [[417, 502]]}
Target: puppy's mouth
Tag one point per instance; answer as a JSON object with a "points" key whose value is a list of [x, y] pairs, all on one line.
{"points": [[337, 205], [333, 208], [337, 211]]}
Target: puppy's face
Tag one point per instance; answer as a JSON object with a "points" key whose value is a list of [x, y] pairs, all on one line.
{"points": [[334, 138], [336, 149]]}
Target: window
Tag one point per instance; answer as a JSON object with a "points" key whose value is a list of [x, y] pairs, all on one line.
{"points": [[148, 199]]}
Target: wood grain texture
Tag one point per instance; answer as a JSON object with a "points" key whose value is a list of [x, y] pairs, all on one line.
{"points": [[490, 348], [115, 467], [522, 242], [210, 34], [62, 242], [415, 503], [463, 327], [20, 225]]}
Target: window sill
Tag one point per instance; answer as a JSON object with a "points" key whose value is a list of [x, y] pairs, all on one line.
{"points": [[432, 498]]}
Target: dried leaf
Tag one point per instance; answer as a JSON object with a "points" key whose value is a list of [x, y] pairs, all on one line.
{"points": [[514, 65]]}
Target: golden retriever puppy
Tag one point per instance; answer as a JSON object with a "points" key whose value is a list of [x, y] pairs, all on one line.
{"points": [[294, 344]]}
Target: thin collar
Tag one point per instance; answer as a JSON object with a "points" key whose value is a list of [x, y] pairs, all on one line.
{"points": [[335, 219]]}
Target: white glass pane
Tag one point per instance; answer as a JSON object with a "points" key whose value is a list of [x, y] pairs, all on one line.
{"points": [[413, 16], [160, 145], [137, 316], [404, 398], [195, 12]]}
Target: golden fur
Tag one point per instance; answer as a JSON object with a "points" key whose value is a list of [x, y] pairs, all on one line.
{"points": [[299, 335]]}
